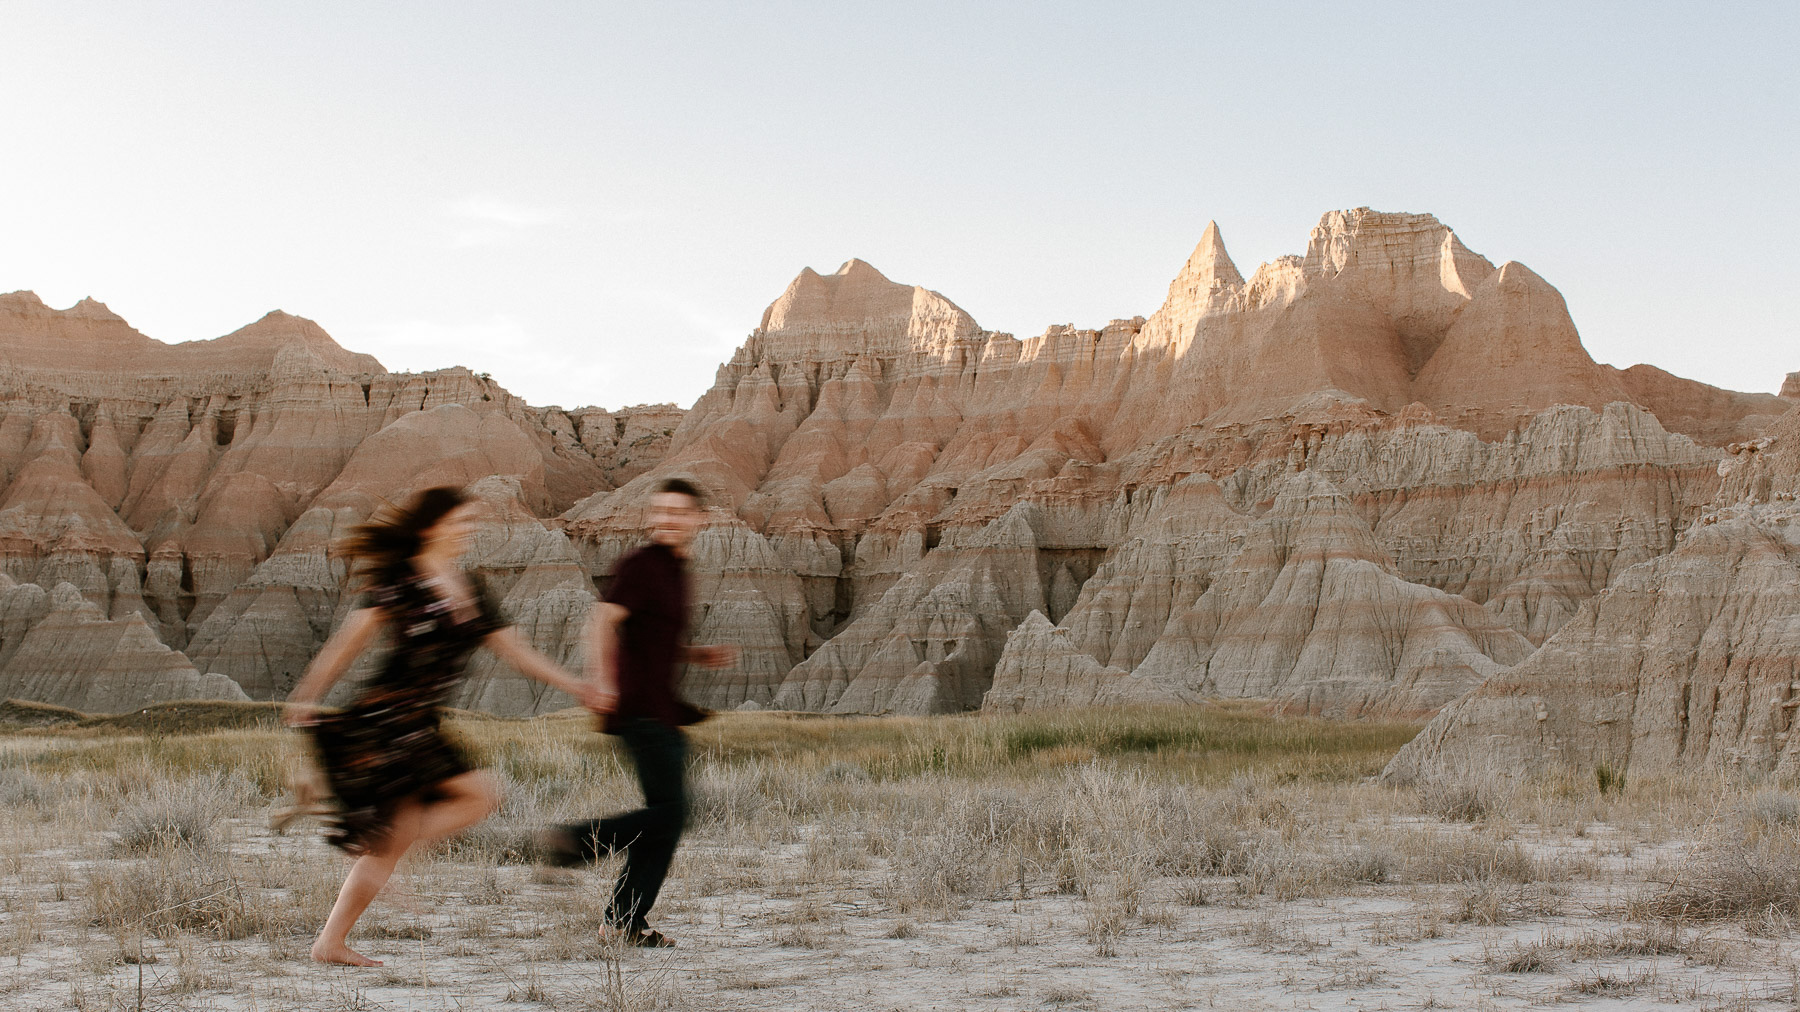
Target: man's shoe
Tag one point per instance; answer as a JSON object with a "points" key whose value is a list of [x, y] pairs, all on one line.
{"points": [[637, 937]]}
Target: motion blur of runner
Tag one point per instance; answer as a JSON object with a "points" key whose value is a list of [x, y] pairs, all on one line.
{"points": [[635, 651]]}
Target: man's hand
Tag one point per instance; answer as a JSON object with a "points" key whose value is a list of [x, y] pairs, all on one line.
{"points": [[300, 714], [713, 656]]}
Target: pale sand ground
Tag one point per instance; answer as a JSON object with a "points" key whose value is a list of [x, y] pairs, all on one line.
{"points": [[758, 929]]}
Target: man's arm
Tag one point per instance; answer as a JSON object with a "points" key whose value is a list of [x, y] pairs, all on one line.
{"points": [[603, 654]]}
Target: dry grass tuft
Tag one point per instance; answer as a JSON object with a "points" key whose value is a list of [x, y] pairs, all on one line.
{"points": [[1542, 956]]}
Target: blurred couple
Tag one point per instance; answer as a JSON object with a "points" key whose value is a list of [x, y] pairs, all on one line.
{"points": [[398, 781]]}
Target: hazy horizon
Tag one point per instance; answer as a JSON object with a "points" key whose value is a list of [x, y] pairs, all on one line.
{"points": [[595, 203]]}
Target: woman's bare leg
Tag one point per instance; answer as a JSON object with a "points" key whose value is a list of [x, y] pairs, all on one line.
{"points": [[370, 872], [467, 799]]}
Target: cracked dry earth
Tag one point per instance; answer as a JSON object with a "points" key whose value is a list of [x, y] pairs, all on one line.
{"points": [[1092, 885]]}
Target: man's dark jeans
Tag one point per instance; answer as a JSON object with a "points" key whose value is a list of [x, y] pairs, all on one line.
{"points": [[648, 835]]}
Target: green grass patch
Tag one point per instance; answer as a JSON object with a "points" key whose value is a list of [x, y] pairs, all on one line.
{"points": [[1198, 743]]}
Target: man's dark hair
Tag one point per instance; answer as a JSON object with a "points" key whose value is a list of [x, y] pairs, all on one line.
{"points": [[681, 486]]}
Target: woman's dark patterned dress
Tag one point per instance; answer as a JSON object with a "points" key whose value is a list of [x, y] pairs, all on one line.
{"points": [[386, 746]]}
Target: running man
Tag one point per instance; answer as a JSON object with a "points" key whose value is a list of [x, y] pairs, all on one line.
{"points": [[635, 651]]}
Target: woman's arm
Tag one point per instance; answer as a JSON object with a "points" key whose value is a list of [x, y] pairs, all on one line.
{"points": [[335, 658], [512, 648]]}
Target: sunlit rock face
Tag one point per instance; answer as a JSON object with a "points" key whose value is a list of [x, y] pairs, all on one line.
{"points": [[1362, 480]]}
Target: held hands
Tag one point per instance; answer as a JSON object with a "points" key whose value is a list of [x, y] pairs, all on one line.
{"points": [[598, 699]]}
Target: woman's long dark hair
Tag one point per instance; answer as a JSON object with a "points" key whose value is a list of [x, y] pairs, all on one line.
{"points": [[380, 547]]}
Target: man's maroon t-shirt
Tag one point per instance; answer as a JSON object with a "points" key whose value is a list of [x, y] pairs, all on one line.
{"points": [[651, 585]]}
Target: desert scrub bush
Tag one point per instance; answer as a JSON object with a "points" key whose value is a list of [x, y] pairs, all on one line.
{"points": [[509, 835], [175, 888], [1744, 871], [1462, 799], [22, 789], [183, 811]]}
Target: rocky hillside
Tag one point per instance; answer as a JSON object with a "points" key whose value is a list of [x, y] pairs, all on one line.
{"points": [[167, 507], [1688, 661], [1364, 480]]}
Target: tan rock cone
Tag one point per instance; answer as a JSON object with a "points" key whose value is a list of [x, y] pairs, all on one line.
{"points": [[76, 657]]}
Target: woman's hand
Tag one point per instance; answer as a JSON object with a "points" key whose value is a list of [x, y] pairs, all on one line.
{"points": [[300, 714]]}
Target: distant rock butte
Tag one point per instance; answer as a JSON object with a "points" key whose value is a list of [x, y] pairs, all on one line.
{"points": [[1362, 481]]}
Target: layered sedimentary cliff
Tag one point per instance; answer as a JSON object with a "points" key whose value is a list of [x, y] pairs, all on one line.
{"points": [[188, 494], [1687, 661], [1362, 480]]}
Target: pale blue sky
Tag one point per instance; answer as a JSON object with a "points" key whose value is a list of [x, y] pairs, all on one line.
{"points": [[595, 202]]}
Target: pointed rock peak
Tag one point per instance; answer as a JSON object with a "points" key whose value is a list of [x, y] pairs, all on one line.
{"points": [[1791, 389], [1210, 262], [861, 270], [1460, 269], [1514, 276], [91, 308], [281, 327], [1016, 528]]}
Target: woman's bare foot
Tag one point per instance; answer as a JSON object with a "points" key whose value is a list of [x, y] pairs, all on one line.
{"points": [[342, 955]]}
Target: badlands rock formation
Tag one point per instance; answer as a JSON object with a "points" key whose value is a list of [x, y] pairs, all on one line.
{"points": [[1363, 480], [1688, 661], [188, 493]]}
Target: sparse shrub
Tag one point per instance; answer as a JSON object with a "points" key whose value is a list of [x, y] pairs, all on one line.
{"points": [[932, 872], [1192, 893], [1461, 799], [171, 813], [841, 770], [23, 789], [175, 888], [1365, 864], [1469, 859]]}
